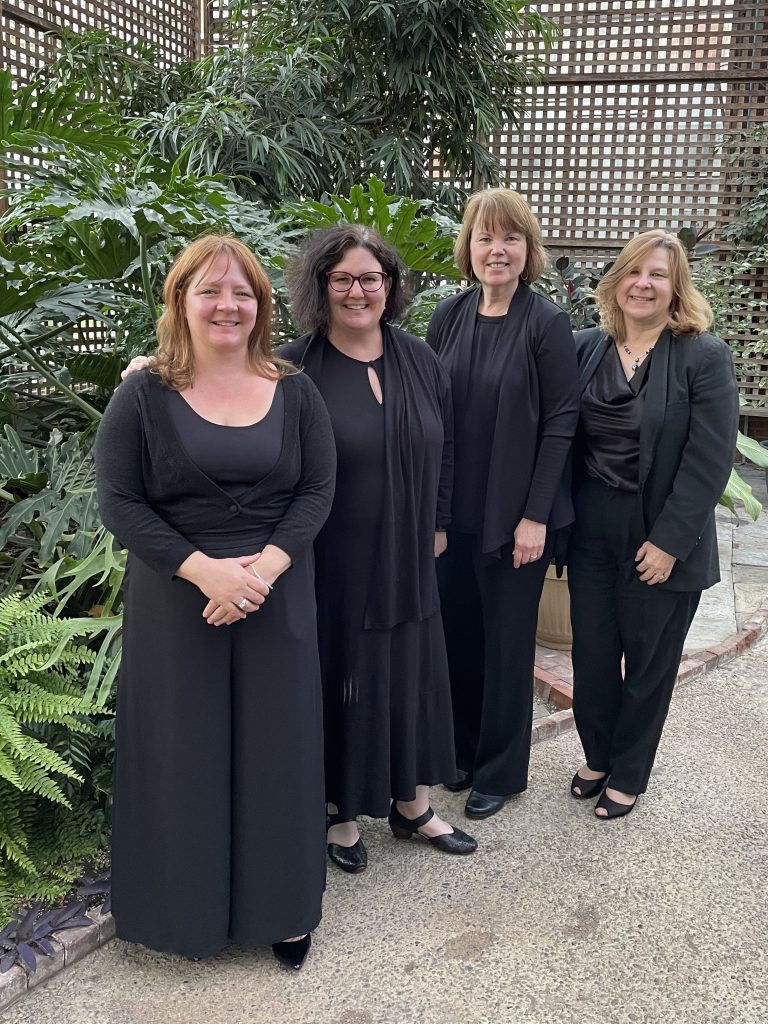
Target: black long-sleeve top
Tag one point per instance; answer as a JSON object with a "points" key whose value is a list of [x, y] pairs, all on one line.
{"points": [[156, 500], [521, 398]]}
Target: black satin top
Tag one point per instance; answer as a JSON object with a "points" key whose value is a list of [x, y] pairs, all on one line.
{"points": [[611, 409]]}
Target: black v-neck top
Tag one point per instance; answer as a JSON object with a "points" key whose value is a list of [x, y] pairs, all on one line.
{"points": [[611, 411], [233, 457]]}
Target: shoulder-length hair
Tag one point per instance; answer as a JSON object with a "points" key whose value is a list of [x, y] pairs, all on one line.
{"points": [[320, 253], [175, 360], [689, 312], [501, 209]]}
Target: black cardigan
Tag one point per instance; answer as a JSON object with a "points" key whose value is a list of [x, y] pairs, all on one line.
{"points": [[155, 500], [536, 407], [417, 491], [687, 440]]}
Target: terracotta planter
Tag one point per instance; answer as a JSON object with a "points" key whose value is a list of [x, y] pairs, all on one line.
{"points": [[554, 627]]}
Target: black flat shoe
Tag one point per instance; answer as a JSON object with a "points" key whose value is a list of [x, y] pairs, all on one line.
{"points": [[588, 787], [454, 842], [293, 954], [352, 859], [462, 781], [483, 805], [613, 809]]}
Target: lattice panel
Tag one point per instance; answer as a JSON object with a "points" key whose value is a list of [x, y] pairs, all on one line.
{"points": [[172, 26], [623, 135]]}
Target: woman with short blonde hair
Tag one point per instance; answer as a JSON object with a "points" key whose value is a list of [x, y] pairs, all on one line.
{"points": [[510, 355]]}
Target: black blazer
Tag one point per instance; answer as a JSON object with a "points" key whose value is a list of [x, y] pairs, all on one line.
{"points": [[687, 440]]}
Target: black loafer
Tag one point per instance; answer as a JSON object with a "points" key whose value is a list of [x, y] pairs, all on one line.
{"points": [[483, 805], [293, 954], [352, 859], [462, 781]]}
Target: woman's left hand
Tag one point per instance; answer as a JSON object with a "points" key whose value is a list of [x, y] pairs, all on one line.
{"points": [[441, 542], [653, 564], [530, 538]]}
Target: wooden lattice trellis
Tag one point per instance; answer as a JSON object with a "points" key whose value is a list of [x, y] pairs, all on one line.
{"points": [[622, 137]]}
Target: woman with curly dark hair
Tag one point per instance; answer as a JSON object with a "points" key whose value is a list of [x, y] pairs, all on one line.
{"points": [[386, 695]]}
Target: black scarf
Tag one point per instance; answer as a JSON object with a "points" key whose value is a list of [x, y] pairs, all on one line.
{"points": [[403, 586]]}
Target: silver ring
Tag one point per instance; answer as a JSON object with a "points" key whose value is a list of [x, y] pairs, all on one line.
{"points": [[243, 603]]}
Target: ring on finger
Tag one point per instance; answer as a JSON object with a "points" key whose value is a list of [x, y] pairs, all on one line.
{"points": [[241, 604]]}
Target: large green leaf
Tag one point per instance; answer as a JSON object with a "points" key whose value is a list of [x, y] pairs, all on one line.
{"points": [[752, 450], [739, 490]]}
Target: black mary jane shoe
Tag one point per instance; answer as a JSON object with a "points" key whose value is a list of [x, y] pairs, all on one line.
{"points": [[352, 859], [483, 805], [454, 842], [293, 954], [462, 781], [612, 808], [587, 787]]}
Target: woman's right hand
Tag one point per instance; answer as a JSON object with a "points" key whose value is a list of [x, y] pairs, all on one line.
{"points": [[227, 582], [137, 363]]}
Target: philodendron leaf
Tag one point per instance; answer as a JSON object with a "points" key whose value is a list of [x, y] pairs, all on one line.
{"points": [[752, 450], [739, 490]]}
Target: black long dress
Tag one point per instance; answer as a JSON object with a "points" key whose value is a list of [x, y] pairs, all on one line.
{"points": [[386, 691], [219, 823]]}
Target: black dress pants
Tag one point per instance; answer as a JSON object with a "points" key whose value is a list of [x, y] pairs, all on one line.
{"points": [[490, 611], [620, 715]]}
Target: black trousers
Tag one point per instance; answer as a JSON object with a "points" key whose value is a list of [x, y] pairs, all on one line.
{"points": [[489, 615], [620, 715], [219, 816]]}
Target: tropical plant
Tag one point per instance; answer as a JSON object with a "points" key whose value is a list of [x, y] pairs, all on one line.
{"points": [[420, 80], [55, 747]]}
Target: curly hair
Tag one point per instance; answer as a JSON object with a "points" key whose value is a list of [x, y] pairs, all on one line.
{"points": [[174, 359], [689, 312], [320, 253], [504, 210]]}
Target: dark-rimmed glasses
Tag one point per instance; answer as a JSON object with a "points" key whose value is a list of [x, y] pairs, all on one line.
{"points": [[370, 282]]}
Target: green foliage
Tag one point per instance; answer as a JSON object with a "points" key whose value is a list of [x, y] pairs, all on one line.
{"points": [[49, 743], [748, 151], [315, 95], [416, 79]]}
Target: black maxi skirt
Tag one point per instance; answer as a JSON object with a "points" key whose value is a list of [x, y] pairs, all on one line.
{"points": [[219, 816]]}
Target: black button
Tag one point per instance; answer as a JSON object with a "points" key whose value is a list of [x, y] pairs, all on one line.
{"points": [[234, 508]]}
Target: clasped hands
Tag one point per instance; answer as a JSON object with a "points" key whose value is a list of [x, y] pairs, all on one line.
{"points": [[231, 585]]}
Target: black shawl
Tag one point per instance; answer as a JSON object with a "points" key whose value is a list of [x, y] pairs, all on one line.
{"points": [[417, 492]]}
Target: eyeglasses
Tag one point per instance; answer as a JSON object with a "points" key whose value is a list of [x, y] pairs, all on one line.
{"points": [[370, 282]]}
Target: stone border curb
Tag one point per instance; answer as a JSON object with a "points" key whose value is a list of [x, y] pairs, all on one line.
{"points": [[559, 692], [71, 945]]}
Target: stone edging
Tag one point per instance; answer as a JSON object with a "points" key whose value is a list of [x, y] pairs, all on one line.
{"points": [[71, 945], [556, 691]]}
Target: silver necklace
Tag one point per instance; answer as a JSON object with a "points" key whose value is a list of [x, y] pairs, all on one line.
{"points": [[636, 359]]}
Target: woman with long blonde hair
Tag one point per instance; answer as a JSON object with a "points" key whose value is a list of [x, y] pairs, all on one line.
{"points": [[657, 430]]}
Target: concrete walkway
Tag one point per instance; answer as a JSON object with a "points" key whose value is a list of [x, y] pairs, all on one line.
{"points": [[657, 918]]}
